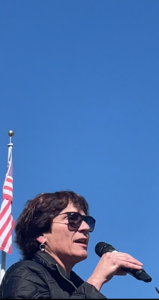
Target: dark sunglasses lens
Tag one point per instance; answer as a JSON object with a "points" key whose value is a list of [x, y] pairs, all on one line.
{"points": [[75, 220], [90, 221]]}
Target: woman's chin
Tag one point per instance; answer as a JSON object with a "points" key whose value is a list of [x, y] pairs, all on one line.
{"points": [[81, 255]]}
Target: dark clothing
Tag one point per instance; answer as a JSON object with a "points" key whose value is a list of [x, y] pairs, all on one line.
{"points": [[44, 278]]}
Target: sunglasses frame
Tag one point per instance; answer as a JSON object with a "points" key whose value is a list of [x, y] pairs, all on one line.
{"points": [[82, 218]]}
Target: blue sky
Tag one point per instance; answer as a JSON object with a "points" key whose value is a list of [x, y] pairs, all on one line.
{"points": [[79, 87]]}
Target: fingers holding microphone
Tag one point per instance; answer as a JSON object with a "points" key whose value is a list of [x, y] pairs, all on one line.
{"points": [[120, 261], [128, 264], [111, 264]]}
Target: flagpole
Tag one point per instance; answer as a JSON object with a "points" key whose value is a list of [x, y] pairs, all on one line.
{"points": [[3, 255]]}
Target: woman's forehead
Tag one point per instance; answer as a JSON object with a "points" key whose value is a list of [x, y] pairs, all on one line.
{"points": [[72, 208]]}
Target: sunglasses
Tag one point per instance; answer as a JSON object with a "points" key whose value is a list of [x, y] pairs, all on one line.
{"points": [[75, 220]]}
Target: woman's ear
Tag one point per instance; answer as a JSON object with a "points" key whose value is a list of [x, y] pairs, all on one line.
{"points": [[41, 239]]}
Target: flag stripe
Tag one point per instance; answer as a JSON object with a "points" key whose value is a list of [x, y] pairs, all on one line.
{"points": [[9, 178], [7, 192], [8, 184], [6, 219], [8, 197], [6, 235], [7, 229], [6, 212], [8, 247]]}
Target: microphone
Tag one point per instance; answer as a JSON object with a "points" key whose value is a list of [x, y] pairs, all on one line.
{"points": [[102, 248]]}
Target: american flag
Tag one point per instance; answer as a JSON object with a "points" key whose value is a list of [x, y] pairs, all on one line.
{"points": [[6, 219]]}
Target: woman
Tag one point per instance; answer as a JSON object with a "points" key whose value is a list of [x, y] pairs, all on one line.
{"points": [[52, 234]]}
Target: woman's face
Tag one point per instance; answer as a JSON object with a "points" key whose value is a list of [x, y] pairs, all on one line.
{"points": [[67, 245]]}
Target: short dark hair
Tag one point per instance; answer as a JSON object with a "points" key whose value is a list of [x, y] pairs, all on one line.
{"points": [[37, 216]]}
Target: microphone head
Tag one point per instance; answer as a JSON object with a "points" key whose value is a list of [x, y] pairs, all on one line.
{"points": [[102, 248]]}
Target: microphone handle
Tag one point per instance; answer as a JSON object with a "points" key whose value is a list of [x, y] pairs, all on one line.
{"points": [[138, 274]]}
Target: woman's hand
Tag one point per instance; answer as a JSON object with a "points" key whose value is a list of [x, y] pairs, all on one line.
{"points": [[110, 264]]}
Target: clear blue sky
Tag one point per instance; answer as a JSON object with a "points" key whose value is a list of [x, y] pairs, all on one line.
{"points": [[79, 85]]}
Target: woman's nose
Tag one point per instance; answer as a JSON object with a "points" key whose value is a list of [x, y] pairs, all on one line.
{"points": [[84, 226]]}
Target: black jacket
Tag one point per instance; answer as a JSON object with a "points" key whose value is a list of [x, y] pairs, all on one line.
{"points": [[43, 278]]}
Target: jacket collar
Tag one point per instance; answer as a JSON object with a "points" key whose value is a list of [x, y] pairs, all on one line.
{"points": [[49, 262], [53, 267]]}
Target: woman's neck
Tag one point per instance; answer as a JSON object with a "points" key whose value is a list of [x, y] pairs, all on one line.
{"points": [[66, 267]]}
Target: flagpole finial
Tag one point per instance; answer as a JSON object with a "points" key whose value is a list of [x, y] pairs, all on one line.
{"points": [[10, 133]]}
